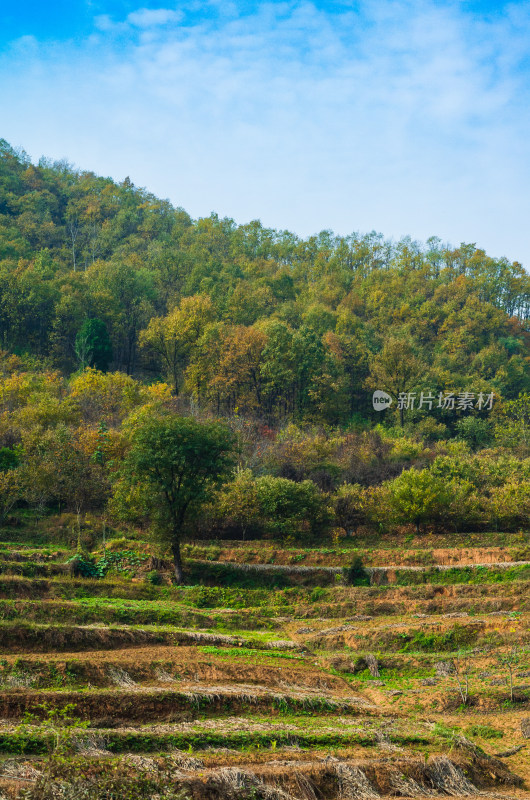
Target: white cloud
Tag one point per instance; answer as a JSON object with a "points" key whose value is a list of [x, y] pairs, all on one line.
{"points": [[142, 19], [103, 22], [147, 18], [25, 46], [407, 116]]}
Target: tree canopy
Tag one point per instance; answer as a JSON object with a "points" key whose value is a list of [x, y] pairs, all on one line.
{"points": [[105, 274], [174, 465]]}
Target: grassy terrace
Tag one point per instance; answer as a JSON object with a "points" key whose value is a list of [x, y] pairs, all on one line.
{"points": [[242, 668], [85, 611], [240, 732]]}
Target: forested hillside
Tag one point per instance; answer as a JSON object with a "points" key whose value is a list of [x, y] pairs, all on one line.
{"points": [[240, 316], [114, 305]]}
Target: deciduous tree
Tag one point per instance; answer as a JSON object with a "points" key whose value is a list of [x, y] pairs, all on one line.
{"points": [[172, 337], [176, 463]]}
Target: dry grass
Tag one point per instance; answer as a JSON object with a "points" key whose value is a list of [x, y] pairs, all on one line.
{"points": [[247, 687], [121, 678]]}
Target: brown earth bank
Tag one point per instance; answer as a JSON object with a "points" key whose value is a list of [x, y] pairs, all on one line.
{"points": [[148, 664], [22, 556], [163, 705], [334, 777], [438, 635], [49, 638], [516, 592], [429, 554], [12, 587], [430, 599]]}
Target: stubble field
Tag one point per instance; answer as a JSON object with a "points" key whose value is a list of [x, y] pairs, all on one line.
{"points": [[268, 675]]}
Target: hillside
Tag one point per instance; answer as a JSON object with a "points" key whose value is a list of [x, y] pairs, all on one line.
{"points": [[270, 324], [225, 572]]}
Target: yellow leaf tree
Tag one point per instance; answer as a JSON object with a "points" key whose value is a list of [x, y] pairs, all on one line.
{"points": [[172, 338]]}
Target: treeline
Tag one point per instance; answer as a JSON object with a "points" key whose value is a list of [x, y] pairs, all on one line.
{"points": [[65, 441], [246, 320]]}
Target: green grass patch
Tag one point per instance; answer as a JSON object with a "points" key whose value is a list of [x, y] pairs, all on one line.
{"points": [[37, 743], [484, 732], [445, 641], [85, 611], [246, 652], [232, 574], [468, 575]]}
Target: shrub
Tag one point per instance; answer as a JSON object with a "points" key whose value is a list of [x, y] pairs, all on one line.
{"points": [[424, 497], [509, 505], [349, 504], [237, 506], [154, 578], [292, 509], [356, 575], [429, 430], [378, 509], [513, 424], [476, 432], [418, 497], [301, 454], [83, 566]]}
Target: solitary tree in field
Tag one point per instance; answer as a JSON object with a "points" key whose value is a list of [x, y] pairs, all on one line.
{"points": [[177, 463], [509, 660]]}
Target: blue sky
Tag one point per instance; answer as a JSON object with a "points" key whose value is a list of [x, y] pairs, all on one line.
{"points": [[409, 117]]}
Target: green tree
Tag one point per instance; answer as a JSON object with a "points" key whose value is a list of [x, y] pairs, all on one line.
{"points": [[292, 509], [509, 504], [59, 466], [92, 345], [396, 369], [278, 368], [10, 483], [124, 291], [9, 459], [513, 423], [475, 431], [10, 491], [349, 504], [177, 464], [419, 497], [238, 503]]}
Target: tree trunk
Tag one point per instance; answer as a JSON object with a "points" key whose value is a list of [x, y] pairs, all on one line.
{"points": [[177, 561]]}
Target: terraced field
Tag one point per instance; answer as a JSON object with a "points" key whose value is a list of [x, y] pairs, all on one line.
{"points": [[277, 680]]}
